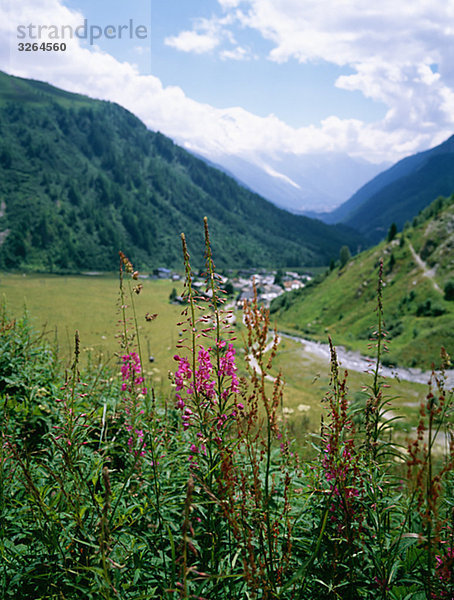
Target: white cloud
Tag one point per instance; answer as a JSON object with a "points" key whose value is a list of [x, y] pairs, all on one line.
{"points": [[238, 53], [352, 31], [390, 47], [229, 3], [205, 36], [191, 41]]}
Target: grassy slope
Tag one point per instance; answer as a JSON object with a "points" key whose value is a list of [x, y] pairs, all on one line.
{"points": [[342, 305]]}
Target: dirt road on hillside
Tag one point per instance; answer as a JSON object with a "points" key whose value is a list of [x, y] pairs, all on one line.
{"points": [[429, 273]]}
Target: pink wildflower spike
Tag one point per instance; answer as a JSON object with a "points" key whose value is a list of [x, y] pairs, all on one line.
{"points": [[133, 381], [228, 368], [183, 373], [204, 385]]}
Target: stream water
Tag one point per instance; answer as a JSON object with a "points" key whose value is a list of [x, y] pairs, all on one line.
{"points": [[355, 361]]}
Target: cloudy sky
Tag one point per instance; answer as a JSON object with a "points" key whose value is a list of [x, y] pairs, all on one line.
{"points": [[374, 80]]}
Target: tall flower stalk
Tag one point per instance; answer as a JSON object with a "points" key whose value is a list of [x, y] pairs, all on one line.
{"points": [[206, 394], [436, 516]]}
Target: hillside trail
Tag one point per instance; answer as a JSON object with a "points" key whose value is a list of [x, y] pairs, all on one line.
{"points": [[429, 273]]}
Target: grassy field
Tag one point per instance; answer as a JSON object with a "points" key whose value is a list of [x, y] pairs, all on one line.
{"points": [[90, 304]]}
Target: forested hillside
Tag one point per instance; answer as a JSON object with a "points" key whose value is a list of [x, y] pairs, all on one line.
{"points": [[81, 179]]}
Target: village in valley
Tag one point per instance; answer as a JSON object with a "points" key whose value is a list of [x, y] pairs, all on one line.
{"points": [[239, 286]]}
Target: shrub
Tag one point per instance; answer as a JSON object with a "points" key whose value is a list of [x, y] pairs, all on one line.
{"points": [[427, 309], [344, 256], [392, 232], [449, 290]]}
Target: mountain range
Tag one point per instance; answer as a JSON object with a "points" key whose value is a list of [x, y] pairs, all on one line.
{"points": [[336, 188], [81, 179]]}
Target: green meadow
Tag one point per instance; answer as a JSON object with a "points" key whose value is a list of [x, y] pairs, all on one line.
{"points": [[60, 305]]}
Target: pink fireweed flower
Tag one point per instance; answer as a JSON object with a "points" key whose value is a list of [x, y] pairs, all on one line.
{"points": [[228, 368], [204, 384], [201, 384], [131, 373], [184, 372], [180, 401], [131, 365], [221, 421], [184, 376], [186, 418], [445, 566]]}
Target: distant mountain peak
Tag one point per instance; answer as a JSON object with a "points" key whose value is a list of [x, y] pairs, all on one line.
{"points": [[300, 182]]}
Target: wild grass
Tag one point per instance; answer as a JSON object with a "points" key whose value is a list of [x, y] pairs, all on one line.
{"points": [[111, 489]]}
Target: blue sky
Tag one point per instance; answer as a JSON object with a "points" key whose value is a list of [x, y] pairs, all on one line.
{"points": [[260, 79]]}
